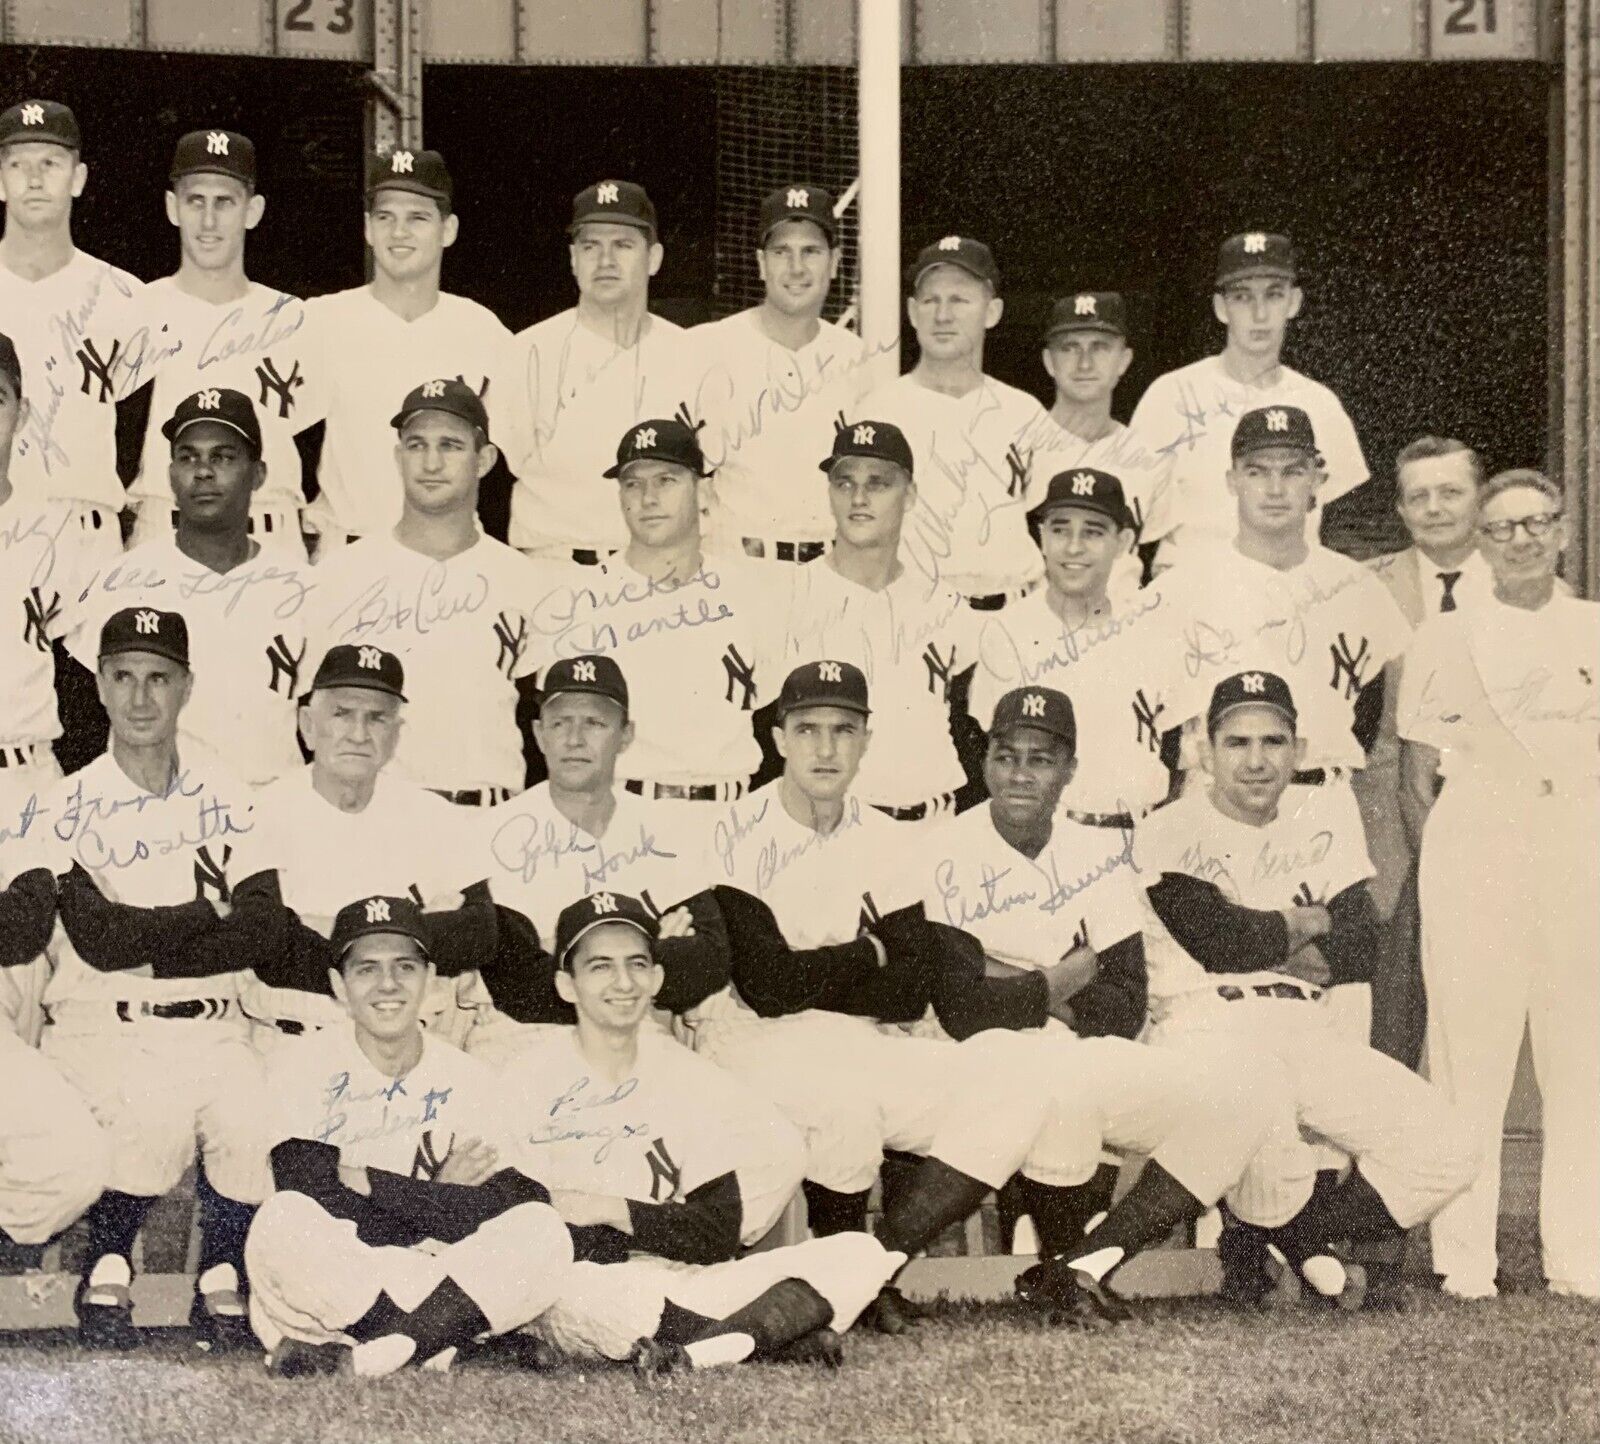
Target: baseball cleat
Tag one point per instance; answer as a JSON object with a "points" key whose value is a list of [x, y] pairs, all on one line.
{"points": [[821, 1346], [1068, 1297], [296, 1359], [890, 1313], [651, 1359], [105, 1318], [220, 1323]]}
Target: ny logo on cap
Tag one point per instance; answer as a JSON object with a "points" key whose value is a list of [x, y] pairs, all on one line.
{"points": [[643, 437], [33, 115], [829, 672], [583, 672], [369, 657], [1277, 420], [148, 624], [400, 163], [1253, 682], [1033, 705], [216, 143], [433, 388], [801, 198], [377, 910], [603, 903], [209, 400], [1084, 306], [605, 195], [950, 243], [862, 436], [1083, 484], [1255, 243]]}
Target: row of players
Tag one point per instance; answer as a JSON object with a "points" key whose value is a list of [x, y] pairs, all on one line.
{"points": [[871, 988]]}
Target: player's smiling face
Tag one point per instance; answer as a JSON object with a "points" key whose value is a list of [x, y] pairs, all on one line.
{"points": [[610, 978], [143, 694], [1439, 501], [213, 213], [1523, 558], [1257, 311], [1080, 548], [1275, 488], [613, 262], [821, 749], [351, 731], [797, 265], [1086, 365], [382, 980], [408, 234], [950, 311], [38, 182], [214, 473], [1252, 756], [660, 502], [869, 499], [581, 736], [441, 462], [1026, 770]]}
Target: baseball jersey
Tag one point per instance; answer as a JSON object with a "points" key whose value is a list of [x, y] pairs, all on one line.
{"points": [[910, 644], [1189, 415], [41, 574], [254, 345], [574, 393], [1117, 671], [695, 653], [1310, 853], [71, 332], [770, 417], [461, 630], [1327, 626], [362, 360], [245, 646], [1506, 695], [973, 457]]}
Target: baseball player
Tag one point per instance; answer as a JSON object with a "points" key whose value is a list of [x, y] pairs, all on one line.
{"points": [[1188, 414], [973, 437], [244, 602], [581, 377], [642, 1145], [367, 345], [450, 601], [403, 1225], [208, 326], [67, 445], [1086, 353], [691, 631], [1498, 700], [915, 644], [1256, 906], [775, 377], [1112, 651], [143, 838]]}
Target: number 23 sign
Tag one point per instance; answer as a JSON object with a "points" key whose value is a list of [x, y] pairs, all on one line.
{"points": [[336, 28]]}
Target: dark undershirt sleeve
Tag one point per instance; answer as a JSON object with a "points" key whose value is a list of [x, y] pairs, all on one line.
{"points": [[967, 1001], [462, 939], [698, 966], [1219, 935], [1351, 947], [1112, 1004], [1369, 712], [703, 1229], [449, 1212], [777, 980], [520, 974], [27, 916], [163, 942]]}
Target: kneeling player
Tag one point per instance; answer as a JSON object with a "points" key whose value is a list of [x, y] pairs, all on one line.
{"points": [[401, 1228], [631, 1131]]}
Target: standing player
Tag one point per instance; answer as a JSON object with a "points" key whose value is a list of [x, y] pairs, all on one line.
{"points": [[973, 437], [244, 601], [1188, 414], [1499, 700], [1086, 353], [452, 603], [370, 344], [580, 378], [402, 1226], [776, 377], [209, 326], [659, 1212], [68, 315]]}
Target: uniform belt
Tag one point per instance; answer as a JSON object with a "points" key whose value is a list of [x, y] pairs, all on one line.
{"points": [[268, 520], [23, 756], [1123, 820], [784, 551], [473, 796], [686, 791], [1320, 776], [994, 601], [934, 807], [591, 556], [292, 1027], [134, 1010], [92, 516], [1299, 992]]}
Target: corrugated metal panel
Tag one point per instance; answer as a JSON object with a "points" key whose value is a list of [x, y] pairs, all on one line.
{"points": [[72, 22], [238, 27], [717, 32], [1369, 29], [824, 31], [584, 32], [484, 31], [958, 32], [1243, 30], [1092, 30]]}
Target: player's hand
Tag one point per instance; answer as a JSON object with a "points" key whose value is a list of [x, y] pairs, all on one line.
{"points": [[1308, 965], [1068, 977], [469, 1161], [355, 1178], [679, 923], [582, 1209]]}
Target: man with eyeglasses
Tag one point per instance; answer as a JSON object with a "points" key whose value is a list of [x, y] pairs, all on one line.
{"points": [[1499, 702]]}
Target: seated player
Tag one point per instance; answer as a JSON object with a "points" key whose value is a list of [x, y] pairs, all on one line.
{"points": [[1257, 906], [643, 1147], [401, 1227]]}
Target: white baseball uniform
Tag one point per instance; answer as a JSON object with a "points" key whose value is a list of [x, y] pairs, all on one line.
{"points": [[1508, 891], [362, 361], [974, 468], [574, 393], [53, 1156], [1189, 415], [184, 344], [770, 417]]}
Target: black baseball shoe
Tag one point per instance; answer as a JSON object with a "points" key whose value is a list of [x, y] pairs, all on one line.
{"points": [[1068, 1296], [890, 1313], [105, 1318], [296, 1359], [220, 1323], [651, 1359], [1246, 1276], [821, 1346]]}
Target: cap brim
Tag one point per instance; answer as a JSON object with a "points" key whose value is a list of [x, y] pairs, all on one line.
{"points": [[844, 704], [1213, 718], [368, 930], [170, 653], [1310, 450], [172, 432], [405, 183], [1123, 521], [600, 922], [199, 168], [1038, 724], [399, 419], [828, 228], [360, 686], [973, 271], [611, 473], [47, 137], [1090, 324], [612, 218], [1247, 273], [587, 689]]}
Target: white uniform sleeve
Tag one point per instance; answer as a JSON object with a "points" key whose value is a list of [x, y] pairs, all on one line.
{"points": [[1341, 450]]}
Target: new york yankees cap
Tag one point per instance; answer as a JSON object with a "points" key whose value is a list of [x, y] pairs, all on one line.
{"points": [[449, 394], [621, 202], [596, 911], [662, 439], [1250, 689], [799, 201], [824, 684], [352, 665], [380, 914], [47, 120], [973, 257], [232, 409], [146, 629], [422, 172], [1273, 426], [10, 363], [1089, 489], [1041, 707], [597, 675], [1088, 311], [1255, 253], [882, 440], [215, 152]]}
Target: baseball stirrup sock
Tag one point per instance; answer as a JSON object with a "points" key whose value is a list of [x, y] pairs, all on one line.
{"points": [[897, 1175], [790, 1309], [938, 1196], [1060, 1214], [829, 1212], [679, 1325], [114, 1222], [447, 1316], [1146, 1214], [224, 1222], [1352, 1210]]}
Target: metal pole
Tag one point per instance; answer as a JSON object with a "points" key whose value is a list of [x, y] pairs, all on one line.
{"points": [[878, 121], [1589, 476], [1580, 245]]}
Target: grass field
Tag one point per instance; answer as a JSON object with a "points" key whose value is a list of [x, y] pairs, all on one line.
{"points": [[1521, 1370]]}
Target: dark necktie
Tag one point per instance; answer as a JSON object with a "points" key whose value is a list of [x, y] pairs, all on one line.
{"points": [[1447, 603]]}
